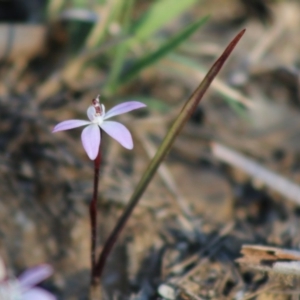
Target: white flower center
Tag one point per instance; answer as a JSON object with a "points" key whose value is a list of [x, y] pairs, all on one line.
{"points": [[97, 120]]}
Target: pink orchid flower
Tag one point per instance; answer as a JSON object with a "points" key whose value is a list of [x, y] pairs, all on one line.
{"points": [[23, 288], [91, 137]]}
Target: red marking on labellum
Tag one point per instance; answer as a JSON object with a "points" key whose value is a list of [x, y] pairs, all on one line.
{"points": [[97, 106]]}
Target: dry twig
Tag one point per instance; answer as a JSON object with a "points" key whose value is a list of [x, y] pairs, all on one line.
{"points": [[276, 182]]}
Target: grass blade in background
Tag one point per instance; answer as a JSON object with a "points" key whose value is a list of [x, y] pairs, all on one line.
{"points": [[154, 19], [159, 14], [120, 53], [184, 115], [165, 49]]}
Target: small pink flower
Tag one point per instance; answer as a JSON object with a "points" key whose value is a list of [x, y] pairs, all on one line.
{"points": [[91, 137], [23, 288]]}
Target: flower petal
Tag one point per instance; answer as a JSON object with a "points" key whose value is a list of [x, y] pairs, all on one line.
{"points": [[91, 111], [69, 124], [35, 275], [90, 138], [37, 294], [119, 132], [123, 108]]}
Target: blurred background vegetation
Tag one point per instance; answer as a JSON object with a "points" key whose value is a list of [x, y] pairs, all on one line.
{"points": [[112, 45], [57, 55]]}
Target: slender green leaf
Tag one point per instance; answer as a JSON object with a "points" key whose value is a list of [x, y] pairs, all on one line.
{"points": [[121, 51], [162, 151], [158, 54], [159, 14], [106, 12], [239, 108]]}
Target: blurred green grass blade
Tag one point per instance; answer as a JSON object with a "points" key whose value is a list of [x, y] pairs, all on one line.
{"points": [[159, 14], [162, 151], [118, 60], [158, 54], [106, 12], [239, 109]]}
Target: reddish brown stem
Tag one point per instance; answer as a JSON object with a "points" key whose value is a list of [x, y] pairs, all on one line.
{"points": [[93, 215]]}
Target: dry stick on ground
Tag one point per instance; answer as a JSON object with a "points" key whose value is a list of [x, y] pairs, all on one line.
{"points": [[276, 182], [271, 259], [265, 42], [284, 18], [266, 288], [214, 243], [194, 258]]}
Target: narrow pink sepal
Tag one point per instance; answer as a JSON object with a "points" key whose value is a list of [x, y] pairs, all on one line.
{"points": [[35, 275], [70, 124], [37, 294], [119, 132], [90, 138], [123, 108]]}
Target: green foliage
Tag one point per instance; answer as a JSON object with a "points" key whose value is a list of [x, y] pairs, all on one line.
{"points": [[237, 107], [122, 49], [159, 14], [162, 51], [126, 58]]}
